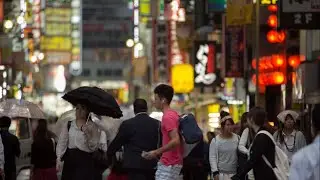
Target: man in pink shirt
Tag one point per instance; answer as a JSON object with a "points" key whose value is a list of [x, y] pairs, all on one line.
{"points": [[169, 167]]}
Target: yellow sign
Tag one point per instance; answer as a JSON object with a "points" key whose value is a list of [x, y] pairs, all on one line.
{"points": [[214, 108], [268, 2], [182, 78], [55, 43], [58, 14], [58, 29], [239, 13]]}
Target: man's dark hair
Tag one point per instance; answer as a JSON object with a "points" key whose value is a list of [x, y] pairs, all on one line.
{"points": [[224, 114], [316, 117], [164, 92], [140, 105], [258, 115], [5, 122]]}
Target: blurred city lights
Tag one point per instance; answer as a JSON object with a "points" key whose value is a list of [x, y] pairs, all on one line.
{"points": [[8, 24], [130, 43]]}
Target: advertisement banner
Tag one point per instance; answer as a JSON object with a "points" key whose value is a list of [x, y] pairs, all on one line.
{"points": [[58, 14], [204, 63], [234, 52], [58, 29], [55, 43]]}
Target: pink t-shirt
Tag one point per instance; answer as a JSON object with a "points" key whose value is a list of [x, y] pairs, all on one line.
{"points": [[170, 121]]}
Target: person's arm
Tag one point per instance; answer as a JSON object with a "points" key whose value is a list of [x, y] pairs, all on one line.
{"points": [[1, 154], [243, 141], [213, 159], [62, 142], [299, 168], [120, 139], [261, 144], [92, 135]]}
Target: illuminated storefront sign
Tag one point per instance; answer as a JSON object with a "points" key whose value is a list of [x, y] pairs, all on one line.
{"points": [[204, 63], [58, 29], [136, 33], [175, 54], [268, 2], [56, 43], [182, 78], [58, 57], [58, 14]]}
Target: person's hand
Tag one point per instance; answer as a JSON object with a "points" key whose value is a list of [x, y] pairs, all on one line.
{"points": [[151, 155], [58, 165]]}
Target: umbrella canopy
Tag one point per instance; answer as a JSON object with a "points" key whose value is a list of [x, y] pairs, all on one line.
{"points": [[65, 117], [282, 116], [21, 108], [97, 100]]}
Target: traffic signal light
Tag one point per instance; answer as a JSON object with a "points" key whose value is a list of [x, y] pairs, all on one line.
{"points": [[274, 35]]}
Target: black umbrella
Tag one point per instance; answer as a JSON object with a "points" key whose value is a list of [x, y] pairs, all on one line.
{"points": [[97, 100]]}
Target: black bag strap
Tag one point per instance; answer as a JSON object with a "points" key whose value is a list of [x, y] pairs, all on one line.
{"points": [[69, 125]]}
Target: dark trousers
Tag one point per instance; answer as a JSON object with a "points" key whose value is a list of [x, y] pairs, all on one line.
{"points": [[195, 174], [137, 174]]}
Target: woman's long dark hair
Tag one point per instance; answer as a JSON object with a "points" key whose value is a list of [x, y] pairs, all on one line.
{"points": [[243, 120], [42, 132]]}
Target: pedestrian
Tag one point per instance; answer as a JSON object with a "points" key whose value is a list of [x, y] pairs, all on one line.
{"points": [[262, 145], [77, 142], [288, 138], [195, 166], [1, 160], [11, 148], [138, 134], [247, 136], [306, 162], [171, 152], [43, 154], [223, 151]]}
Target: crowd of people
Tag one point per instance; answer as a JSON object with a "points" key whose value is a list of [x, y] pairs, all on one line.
{"points": [[147, 149]]}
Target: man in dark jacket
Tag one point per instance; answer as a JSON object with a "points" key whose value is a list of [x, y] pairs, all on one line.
{"points": [[11, 147], [137, 135]]}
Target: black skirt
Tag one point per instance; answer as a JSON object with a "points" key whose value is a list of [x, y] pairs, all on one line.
{"points": [[78, 165]]}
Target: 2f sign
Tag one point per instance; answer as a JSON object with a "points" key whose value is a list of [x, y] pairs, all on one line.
{"points": [[302, 18], [201, 67]]}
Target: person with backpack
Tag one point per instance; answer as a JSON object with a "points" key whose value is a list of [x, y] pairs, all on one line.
{"points": [[223, 151], [78, 141], [171, 152], [287, 137], [43, 154], [306, 162], [263, 149]]}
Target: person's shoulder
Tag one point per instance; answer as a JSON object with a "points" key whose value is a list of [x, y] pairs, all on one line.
{"points": [[302, 156], [300, 134], [170, 113]]}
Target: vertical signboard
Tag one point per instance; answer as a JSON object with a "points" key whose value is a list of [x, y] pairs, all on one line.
{"points": [[234, 56], [204, 63], [300, 14]]}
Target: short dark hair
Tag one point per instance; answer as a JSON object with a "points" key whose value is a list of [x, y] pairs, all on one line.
{"points": [[5, 122], [164, 91], [258, 115], [316, 117], [140, 105], [224, 114]]}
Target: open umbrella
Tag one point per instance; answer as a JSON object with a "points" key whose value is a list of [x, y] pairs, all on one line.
{"points": [[282, 116], [97, 100], [21, 108]]}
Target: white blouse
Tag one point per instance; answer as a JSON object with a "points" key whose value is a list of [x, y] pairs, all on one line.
{"points": [[75, 138]]}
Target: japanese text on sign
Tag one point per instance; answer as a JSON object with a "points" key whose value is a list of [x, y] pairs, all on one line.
{"points": [[201, 67]]}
